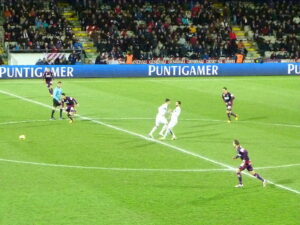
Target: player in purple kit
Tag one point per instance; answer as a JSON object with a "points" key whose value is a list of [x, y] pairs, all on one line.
{"points": [[228, 99], [246, 164], [49, 77], [71, 103]]}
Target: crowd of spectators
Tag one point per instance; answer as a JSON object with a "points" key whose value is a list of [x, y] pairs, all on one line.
{"points": [[178, 28], [37, 25], [149, 29], [275, 24]]}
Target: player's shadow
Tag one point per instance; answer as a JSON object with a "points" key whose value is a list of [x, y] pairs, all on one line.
{"points": [[284, 181], [255, 118], [199, 136]]}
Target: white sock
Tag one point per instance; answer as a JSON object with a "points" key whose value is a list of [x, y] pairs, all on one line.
{"points": [[166, 132], [153, 130], [163, 129]]}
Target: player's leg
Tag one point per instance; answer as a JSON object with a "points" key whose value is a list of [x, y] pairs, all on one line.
{"points": [[251, 171], [239, 176], [157, 123], [52, 112], [53, 109], [60, 112], [228, 112], [171, 125], [50, 89], [70, 113], [165, 126], [229, 109]]}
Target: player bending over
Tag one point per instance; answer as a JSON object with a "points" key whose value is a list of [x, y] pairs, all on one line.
{"points": [[71, 103], [49, 77], [246, 164], [161, 118], [57, 100], [174, 120], [228, 100]]}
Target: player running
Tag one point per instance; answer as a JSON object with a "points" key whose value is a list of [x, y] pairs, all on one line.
{"points": [[161, 118], [246, 164], [228, 99], [49, 77], [71, 103], [57, 100], [174, 120]]}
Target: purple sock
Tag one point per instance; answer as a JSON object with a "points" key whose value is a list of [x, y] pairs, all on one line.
{"points": [[240, 178], [258, 177]]}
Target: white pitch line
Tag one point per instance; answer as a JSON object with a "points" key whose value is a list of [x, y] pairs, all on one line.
{"points": [[134, 169], [276, 167], [149, 118], [153, 140], [112, 168], [199, 119], [22, 121]]}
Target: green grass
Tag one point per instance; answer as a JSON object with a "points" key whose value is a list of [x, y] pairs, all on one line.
{"points": [[42, 195]]}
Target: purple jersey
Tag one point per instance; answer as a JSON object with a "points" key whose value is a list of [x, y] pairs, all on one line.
{"points": [[70, 101], [242, 154], [228, 97], [48, 76]]}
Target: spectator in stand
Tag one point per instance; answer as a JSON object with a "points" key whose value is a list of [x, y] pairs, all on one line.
{"points": [[73, 57], [278, 20], [34, 27], [156, 28]]}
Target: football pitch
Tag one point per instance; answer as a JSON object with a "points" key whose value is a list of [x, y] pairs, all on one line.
{"points": [[103, 169]]}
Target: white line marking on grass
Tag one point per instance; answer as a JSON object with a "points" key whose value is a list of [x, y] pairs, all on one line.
{"points": [[152, 140], [276, 167], [113, 168], [22, 121], [134, 169], [199, 119]]}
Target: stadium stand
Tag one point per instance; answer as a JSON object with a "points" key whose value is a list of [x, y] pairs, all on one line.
{"points": [[158, 29], [109, 29], [274, 25]]}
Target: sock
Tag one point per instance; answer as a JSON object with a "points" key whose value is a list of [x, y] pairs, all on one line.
{"points": [[240, 178], [259, 177], [51, 91], [60, 113], [171, 132], [52, 113], [163, 129], [70, 117], [233, 114], [228, 115], [153, 130]]}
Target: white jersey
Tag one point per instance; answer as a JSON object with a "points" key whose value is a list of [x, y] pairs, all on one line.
{"points": [[176, 113], [162, 110], [174, 117]]}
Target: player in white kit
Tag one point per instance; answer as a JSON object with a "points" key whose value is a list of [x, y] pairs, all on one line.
{"points": [[161, 118], [174, 120]]}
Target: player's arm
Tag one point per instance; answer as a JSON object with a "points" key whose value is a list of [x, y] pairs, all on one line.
{"points": [[232, 97], [76, 103], [222, 96], [243, 162], [237, 156]]}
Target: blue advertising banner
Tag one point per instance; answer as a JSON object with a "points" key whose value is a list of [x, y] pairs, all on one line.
{"points": [[154, 70]]}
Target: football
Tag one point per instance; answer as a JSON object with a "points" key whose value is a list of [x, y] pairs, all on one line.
{"points": [[22, 137]]}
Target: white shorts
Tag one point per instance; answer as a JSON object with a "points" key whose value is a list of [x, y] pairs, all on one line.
{"points": [[161, 120], [172, 124]]}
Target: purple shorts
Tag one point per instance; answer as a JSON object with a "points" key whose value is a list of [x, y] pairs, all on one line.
{"points": [[48, 83], [247, 165], [71, 109], [229, 106]]}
